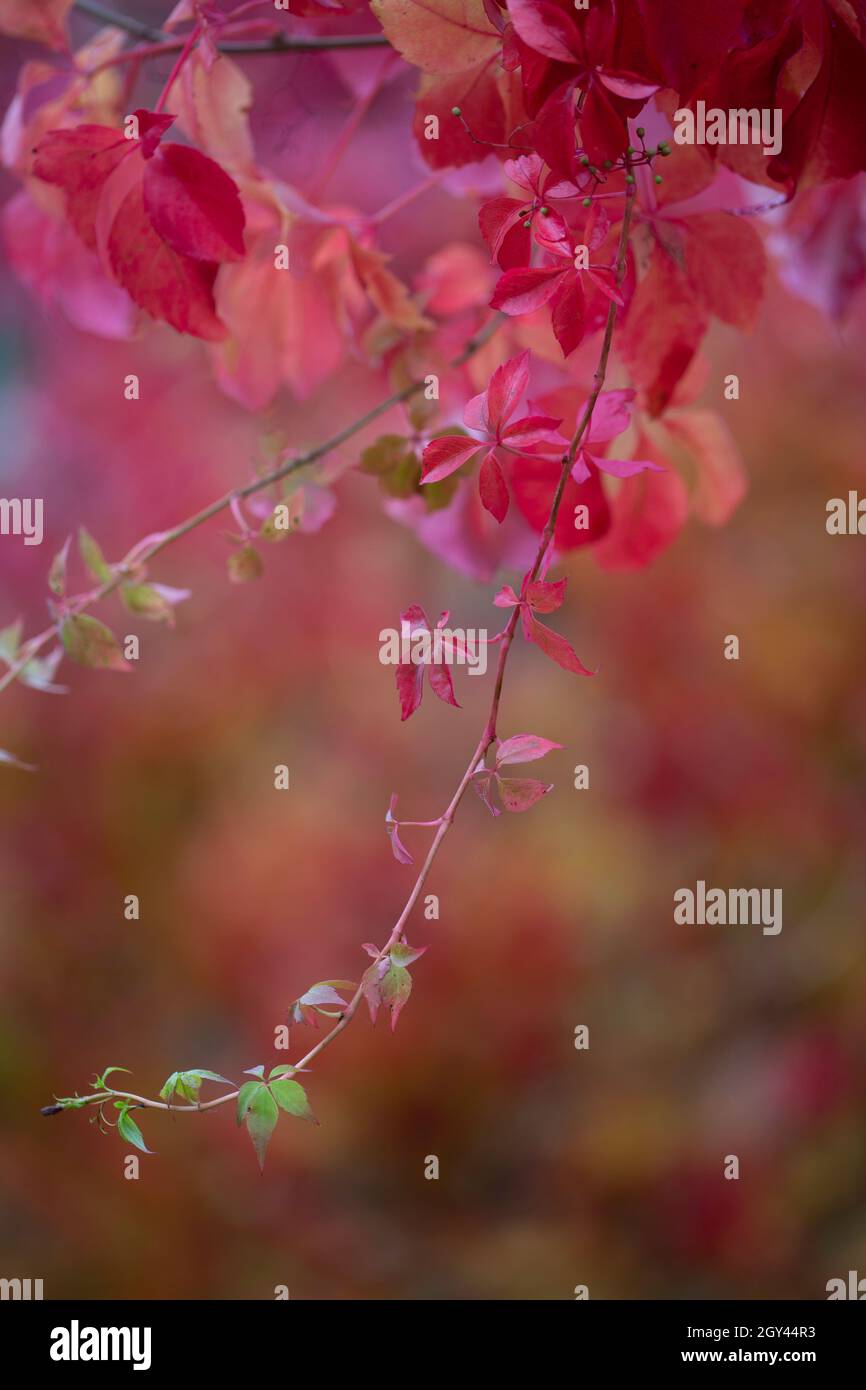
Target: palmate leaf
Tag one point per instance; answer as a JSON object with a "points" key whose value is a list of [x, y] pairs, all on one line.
{"points": [[188, 1083], [128, 1129], [260, 1102]]}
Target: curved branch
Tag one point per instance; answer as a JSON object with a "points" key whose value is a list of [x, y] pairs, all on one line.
{"points": [[278, 44], [489, 732]]}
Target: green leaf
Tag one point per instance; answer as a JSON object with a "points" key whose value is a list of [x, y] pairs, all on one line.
{"points": [[91, 643], [169, 1088], [404, 954], [10, 640], [92, 556], [40, 671], [188, 1083], [101, 1082], [57, 572], [153, 602], [293, 1099], [387, 453], [395, 988], [128, 1129], [245, 1095], [245, 564], [261, 1117]]}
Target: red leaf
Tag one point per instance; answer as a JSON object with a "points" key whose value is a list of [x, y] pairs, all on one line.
{"points": [[568, 317], [546, 29], [501, 225], [545, 596], [522, 291], [79, 161], [166, 285], [194, 205], [726, 266], [558, 648], [445, 455], [649, 511], [663, 330], [410, 686], [507, 385], [533, 486], [721, 477], [492, 487]]}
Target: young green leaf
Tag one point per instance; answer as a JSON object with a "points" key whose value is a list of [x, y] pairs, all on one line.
{"points": [[260, 1116], [57, 572], [10, 640], [293, 1099], [395, 988], [404, 954], [154, 602], [90, 643], [128, 1129], [92, 556], [101, 1082]]}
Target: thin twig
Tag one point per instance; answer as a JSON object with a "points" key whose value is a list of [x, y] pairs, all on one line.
{"points": [[489, 732], [278, 44]]}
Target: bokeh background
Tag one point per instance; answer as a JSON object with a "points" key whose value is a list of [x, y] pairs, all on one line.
{"points": [[557, 1167]]}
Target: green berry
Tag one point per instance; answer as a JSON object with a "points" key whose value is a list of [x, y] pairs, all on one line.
{"points": [[629, 178], [584, 159], [587, 202], [608, 164], [545, 212], [641, 132], [658, 178], [527, 223], [455, 110], [632, 150]]}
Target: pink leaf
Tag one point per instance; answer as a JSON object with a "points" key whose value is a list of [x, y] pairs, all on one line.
{"points": [[410, 687], [553, 645], [520, 793], [546, 29], [492, 488], [623, 84], [506, 597], [523, 748]]}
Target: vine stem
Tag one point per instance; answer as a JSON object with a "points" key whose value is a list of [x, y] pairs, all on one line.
{"points": [[278, 44], [489, 732], [142, 553]]}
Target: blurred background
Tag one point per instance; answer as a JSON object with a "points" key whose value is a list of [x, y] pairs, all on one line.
{"points": [[558, 1167]]}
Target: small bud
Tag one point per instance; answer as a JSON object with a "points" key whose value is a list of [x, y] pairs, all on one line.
{"points": [[584, 159], [641, 131], [455, 111], [527, 223], [51, 1110]]}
